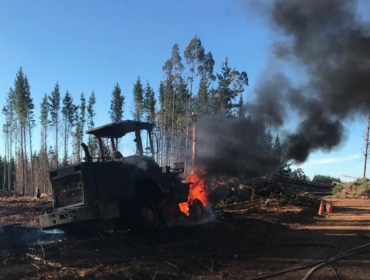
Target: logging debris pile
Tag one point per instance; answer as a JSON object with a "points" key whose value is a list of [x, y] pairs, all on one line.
{"points": [[357, 189]]}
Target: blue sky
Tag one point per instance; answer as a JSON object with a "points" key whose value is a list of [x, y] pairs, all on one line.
{"points": [[90, 45]]}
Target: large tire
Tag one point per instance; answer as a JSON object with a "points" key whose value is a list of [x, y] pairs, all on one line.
{"points": [[196, 210], [148, 215]]}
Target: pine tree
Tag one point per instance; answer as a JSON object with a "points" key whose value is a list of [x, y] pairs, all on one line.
{"points": [[54, 107], [92, 142], [241, 107], [43, 158], [149, 104], [69, 115], [30, 126], [138, 93], [80, 126], [8, 128], [21, 107], [277, 148], [117, 102]]}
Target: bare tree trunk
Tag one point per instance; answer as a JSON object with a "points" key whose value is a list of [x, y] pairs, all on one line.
{"points": [[31, 173], [172, 125], [188, 121]]}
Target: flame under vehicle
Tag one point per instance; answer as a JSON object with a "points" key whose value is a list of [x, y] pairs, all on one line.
{"points": [[115, 191]]}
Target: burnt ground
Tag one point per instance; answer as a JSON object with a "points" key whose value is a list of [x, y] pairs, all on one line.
{"points": [[247, 241]]}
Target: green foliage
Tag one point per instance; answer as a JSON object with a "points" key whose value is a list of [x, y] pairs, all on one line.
{"points": [[92, 142], [117, 102], [297, 174], [149, 104], [69, 116], [44, 111], [54, 108], [69, 110], [54, 105], [23, 105], [138, 93], [324, 179], [230, 83]]}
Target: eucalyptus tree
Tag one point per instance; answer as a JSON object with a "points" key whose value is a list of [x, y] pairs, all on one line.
{"points": [[173, 71], [138, 93], [202, 100]]}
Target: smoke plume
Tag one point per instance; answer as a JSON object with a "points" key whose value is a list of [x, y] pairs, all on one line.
{"points": [[332, 45], [238, 147]]}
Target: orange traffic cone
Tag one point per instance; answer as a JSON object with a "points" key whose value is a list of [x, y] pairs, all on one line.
{"points": [[321, 209], [329, 207]]}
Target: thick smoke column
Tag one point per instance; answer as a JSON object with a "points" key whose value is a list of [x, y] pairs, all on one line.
{"points": [[333, 46], [237, 147]]}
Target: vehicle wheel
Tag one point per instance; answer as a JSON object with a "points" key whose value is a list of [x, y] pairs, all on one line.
{"points": [[196, 210], [149, 216]]}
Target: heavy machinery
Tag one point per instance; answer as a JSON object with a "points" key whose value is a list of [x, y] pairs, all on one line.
{"points": [[116, 190]]}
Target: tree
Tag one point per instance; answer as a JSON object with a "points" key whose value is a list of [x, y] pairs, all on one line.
{"points": [[173, 70], [23, 107], [324, 179], [138, 93], [277, 147], [202, 100], [194, 56], [149, 104], [241, 107], [230, 83], [54, 107], [92, 143], [30, 126], [117, 102], [43, 158], [8, 128], [80, 125], [69, 118]]}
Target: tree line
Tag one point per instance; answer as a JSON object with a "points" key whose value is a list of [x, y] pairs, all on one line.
{"points": [[190, 85]]}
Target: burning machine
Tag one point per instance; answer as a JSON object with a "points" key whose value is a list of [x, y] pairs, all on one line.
{"points": [[119, 190]]}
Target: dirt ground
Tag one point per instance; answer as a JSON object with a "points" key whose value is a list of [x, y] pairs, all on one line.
{"points": [[251, 241]]}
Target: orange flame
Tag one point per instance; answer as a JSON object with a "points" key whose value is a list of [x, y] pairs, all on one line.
{"points": [[198, 189]]}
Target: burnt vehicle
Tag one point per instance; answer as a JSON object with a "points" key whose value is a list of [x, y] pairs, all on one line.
{"points": [[116, 190]]}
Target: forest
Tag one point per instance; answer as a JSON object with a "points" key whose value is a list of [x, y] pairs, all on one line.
{"points": [[190, 85]]}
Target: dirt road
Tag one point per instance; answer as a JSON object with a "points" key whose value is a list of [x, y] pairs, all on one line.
{"points": [[240, 244], [346, 228]]}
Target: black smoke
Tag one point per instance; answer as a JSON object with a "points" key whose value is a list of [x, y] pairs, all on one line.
{"points": [[235, 147], [331, 43]]}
